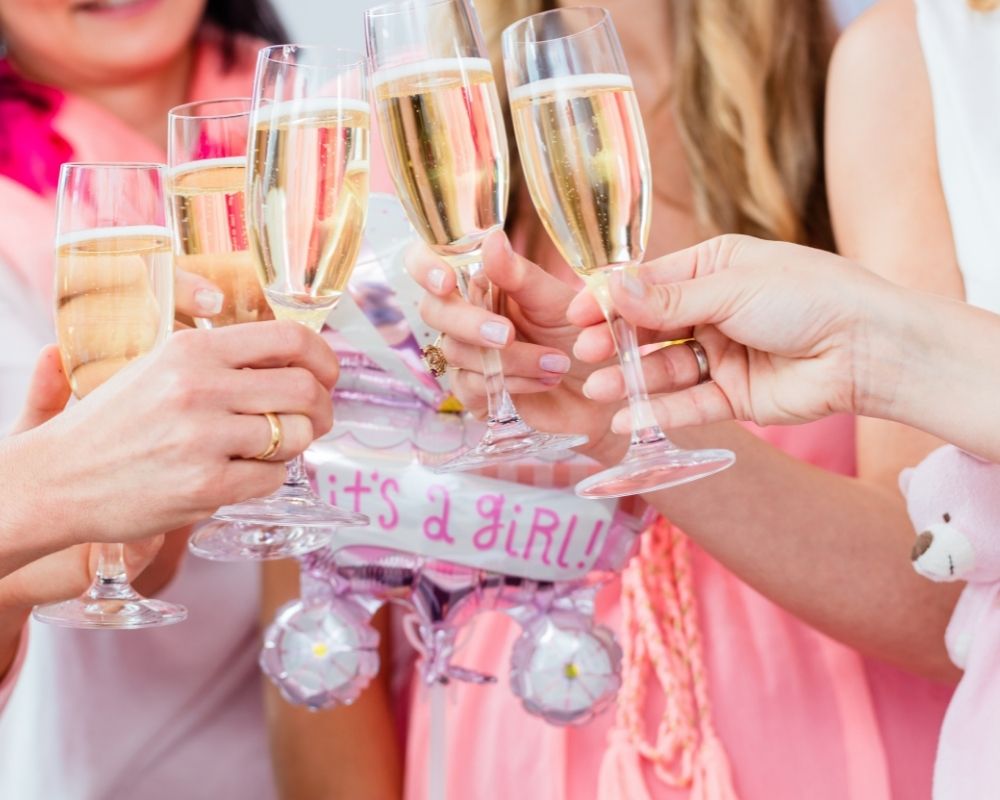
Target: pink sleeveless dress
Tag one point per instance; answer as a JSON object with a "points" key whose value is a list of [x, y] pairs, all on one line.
{"points": [[799, 715]]}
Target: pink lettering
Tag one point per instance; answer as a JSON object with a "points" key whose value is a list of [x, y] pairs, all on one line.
{"points": [[436, 525], [392, 521], [546, 529], [489, 507]]}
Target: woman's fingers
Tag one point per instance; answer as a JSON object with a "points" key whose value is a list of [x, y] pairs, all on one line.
{"points": [[667, 369], [464, 322], [48, 391], [520, 360], [699, 405], [292, 390], [195, 296], [470, 388], [243, 479], [250, 435], [277, 343], [429, 270]]}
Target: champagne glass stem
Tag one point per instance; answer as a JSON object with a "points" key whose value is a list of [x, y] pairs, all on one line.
{"points": [[502, 417], [295, 473], [111, 577], [645, 428]]}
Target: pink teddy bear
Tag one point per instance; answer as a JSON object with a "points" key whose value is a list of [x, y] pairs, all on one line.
{"points": [[954, 502]]}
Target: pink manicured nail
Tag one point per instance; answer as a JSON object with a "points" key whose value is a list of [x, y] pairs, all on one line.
{"points": [[436, 279], [209, 300], [552, 362], [633, 285], [495, 332]]}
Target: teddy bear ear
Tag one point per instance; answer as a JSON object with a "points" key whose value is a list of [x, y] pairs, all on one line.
{"points": [[904, 480]]}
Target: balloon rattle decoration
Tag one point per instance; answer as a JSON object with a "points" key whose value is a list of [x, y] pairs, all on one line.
{"points": [[442, 547]]}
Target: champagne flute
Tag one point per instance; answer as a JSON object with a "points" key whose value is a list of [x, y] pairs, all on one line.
{"points": [[443, 132], [307, 197], [207, 159], [114, 303], [207, 155], [586, 164]]}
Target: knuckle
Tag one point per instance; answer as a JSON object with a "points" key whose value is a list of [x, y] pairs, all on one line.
{"points": [[183, 388], [293, 336]]}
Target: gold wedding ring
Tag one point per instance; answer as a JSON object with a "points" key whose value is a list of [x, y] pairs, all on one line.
{"points": [[276, 433], [434, 357]]}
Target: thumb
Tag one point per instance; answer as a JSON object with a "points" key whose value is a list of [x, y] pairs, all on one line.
{"points": [[709, 300], [48, 392], [537, 293]]}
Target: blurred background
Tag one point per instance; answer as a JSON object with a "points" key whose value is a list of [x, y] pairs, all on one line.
{"points": [[333, 22], [338, 22]]}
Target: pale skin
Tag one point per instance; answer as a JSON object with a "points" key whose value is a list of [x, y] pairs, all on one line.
{"points": [[855, 558], [188, 417], [793, 335], [836, 575]]}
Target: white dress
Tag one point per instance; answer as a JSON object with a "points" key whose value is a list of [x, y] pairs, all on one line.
{"points": [[164, 714], [962, 52], [961, 49]]}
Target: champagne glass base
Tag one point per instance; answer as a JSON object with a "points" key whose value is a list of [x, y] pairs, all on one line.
{"points": [[510, 448], [649, 467], [292, 506], [239, 541], [126, 609]]}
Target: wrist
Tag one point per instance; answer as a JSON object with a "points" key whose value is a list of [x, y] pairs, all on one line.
{"points": [[882, 349], [33, 523]]}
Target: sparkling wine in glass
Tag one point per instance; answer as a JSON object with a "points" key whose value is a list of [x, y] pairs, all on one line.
{"points": [[443, 133], [307, 197], [114, 303], [586, 163], [206, 156]]}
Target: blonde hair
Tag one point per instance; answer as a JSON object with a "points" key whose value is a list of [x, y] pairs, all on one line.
{"points": [[747, 92], [984, 5]]}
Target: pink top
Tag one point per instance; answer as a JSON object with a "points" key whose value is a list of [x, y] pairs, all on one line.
{"points": [[154, 715], [798, 714]]}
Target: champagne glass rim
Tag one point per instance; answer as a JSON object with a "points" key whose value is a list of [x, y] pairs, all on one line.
{"points": [[109, 165], [599, 15], [406, 6], [193, 110], [342, 57]]}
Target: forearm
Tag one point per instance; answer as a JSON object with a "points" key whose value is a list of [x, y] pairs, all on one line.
{"points": [[830, 549], [33, 522], [936, 367]]}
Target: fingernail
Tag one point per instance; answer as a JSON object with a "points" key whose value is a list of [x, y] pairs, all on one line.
{"points": [[633, 285], [620, 424], [554, 363], [586, 389], [495, 332], [436, 279], [209, 300]]}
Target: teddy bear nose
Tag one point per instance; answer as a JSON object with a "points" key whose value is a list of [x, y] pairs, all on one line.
{"points": [[922, 545]]}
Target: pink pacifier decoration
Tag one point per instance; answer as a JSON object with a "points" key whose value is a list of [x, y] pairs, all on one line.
{"points": [[442, 547]]}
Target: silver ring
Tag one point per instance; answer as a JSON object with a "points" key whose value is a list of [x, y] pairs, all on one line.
{"points": [[704, 374]]}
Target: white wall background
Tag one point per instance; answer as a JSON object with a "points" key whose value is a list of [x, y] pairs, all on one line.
{"points": [[333, 22]]}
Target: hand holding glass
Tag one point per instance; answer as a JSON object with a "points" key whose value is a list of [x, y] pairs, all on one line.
{"points": [[445, 143], [307, 193], [114, 303], [586, 164]]}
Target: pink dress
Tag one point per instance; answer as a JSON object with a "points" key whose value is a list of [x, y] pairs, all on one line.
{"points": [[799, 715], [161, 714]]}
